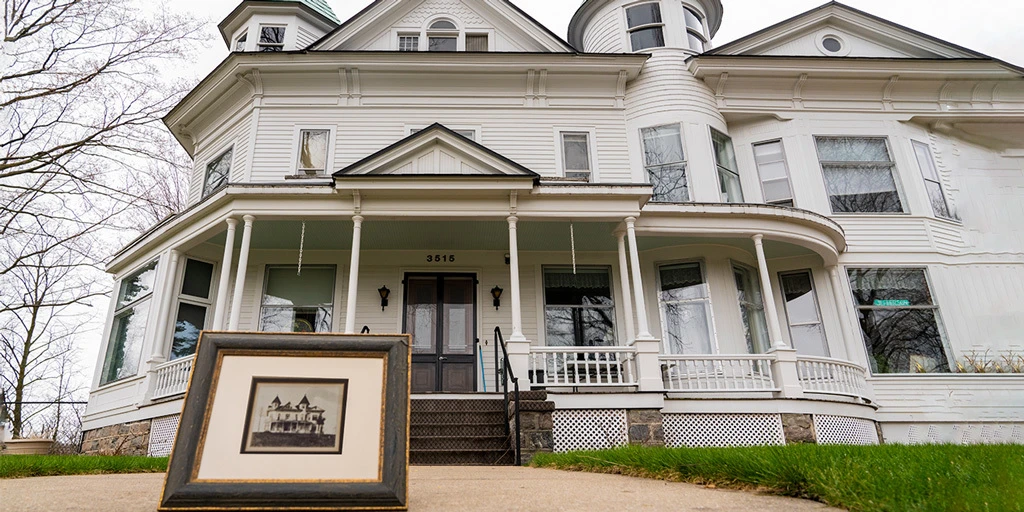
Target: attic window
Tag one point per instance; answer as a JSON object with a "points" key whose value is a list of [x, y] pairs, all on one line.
{"points": [[832, 44], [696, 40], [443, 25], [240, 43], [271, 39], [442, 36]]}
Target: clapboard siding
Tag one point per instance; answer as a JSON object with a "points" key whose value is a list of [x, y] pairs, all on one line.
{"points": [[952, 398], [876, 233], [234, 135], [604, 33], [666, 85], [981, 307]]}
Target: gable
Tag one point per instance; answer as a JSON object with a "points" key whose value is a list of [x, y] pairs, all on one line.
{"points": [[853, 33], [377, 27]]}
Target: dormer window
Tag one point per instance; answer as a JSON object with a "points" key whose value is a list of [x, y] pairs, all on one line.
{"points": [[695, 37], [645, 27], [240, 42], [271, 39], [442, 36], [408, 43]]}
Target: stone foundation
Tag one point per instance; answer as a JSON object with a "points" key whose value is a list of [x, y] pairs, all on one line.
{"points": [[120, 439], [538, 434], [798, 429], [644, 427]]}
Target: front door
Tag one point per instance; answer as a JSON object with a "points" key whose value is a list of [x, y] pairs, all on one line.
{"points": [[440, 314]]}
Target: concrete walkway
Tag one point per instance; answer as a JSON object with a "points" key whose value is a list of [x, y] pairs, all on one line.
{"points": [[432, 489]]}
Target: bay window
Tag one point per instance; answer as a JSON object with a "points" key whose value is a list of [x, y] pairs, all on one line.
{"points": [[578, 307], [127, 333], [646, 29], [859, 174], [294, 302], [728, 173], [755, 327], [665, 163], [685, 305], [194, 303]]}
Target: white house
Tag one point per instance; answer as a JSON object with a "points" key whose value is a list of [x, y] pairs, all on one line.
{"points": [[812, 233]]}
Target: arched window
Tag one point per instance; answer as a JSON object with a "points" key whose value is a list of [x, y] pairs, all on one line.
{"points": [[442, 36]]}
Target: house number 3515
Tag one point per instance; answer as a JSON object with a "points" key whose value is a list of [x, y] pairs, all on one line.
{"points": [[440, 258]]}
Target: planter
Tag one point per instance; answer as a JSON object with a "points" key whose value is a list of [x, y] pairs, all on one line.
{"points": [[28, 446]]}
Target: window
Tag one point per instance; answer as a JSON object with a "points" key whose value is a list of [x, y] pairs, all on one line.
{"points": [[271, 39], [748, 289], [832, 44], [695, 37], [665, 163], [578, 307], [476, 42], [442, 36], [770, 158], [469, 134], [297, 303], [576, 155], [645, 27], [408, 43], [240, 43], [937, 198], [859, 174], [728, 174], [217, 172], [805, 328], [313, 151], [899, 320], [685, 304], [131, 311], [193, 304]]}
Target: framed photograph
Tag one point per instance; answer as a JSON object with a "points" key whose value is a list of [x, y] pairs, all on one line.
{"points": [[293, 421]]}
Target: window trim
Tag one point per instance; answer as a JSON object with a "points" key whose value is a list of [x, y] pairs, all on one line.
{"points": [[719, 167], [629, 30], [118, 311], [914, 144], [617, 326], [893, 169], [785, 163], [297, 148], [266, 279], [817, 307], [458, 33], [591, 133], [204, 193], [684, 162], [259, 37], [716, 349]]}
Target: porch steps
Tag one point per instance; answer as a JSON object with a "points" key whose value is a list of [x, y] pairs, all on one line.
{"points": [[459, 432]]}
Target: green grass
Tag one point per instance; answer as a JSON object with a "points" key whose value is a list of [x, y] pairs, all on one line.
{"points": [[859, 478], [19, 466]]}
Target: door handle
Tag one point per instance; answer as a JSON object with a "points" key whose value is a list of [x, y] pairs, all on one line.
{"points": [[442, 358]]}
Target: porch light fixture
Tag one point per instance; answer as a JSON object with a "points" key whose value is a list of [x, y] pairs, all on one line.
{"points": [[384, 293], [508, 258], [496, 293]]}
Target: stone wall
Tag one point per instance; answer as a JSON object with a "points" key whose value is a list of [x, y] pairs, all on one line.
{"points": [[120, 439], [644, 427], [798, 429]]}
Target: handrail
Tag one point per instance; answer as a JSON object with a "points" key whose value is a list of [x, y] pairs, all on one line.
{"points": [[507, 373], [365, 330]]}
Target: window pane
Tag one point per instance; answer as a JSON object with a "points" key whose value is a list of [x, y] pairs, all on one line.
{"points": [[559, 327], [477, 43], [443, 25], [695, 43], [315, 287], [587, 287], [862, 189], [669, 183], [890, 287], [408, 43], [937, 199], [190, 320], [217, 172], [725, 156], [693, 20], [272, 35], [240, 43], [729, 183], [903, 340], [644, 14], [777, 190], [136, 285], [682, 282], [924, 159], [799, 293], [687, 328], [809, 340], [936, 196], [755, 326], [647, 38], [443, 44], [198, 275], [313, 150], [773, 170], [288, 319], [768, 152], [125, 348], [662, 145], [576, 151], [598, 326], [852, 149]]}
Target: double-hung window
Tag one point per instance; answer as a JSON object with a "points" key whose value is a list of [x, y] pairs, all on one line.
{"points": [[646, 29], [755, 327], [728, 173], [313, 151], [695, 38], [124, 350], [578, 307], [665, 163], [770, 158], [859, 174], [442, 36], [271, 39], [240, 43], [194, 302], [899, 320], [685, 304], [217, 172], [576, 155], [936, 196], [805, 328], [408, 43], [294, 302], [476, 42]]}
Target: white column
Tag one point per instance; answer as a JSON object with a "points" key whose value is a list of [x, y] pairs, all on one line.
{"points": [[225, 277], [854, 352], [627, 297], [774, 330], [644, 330], [353, 275], [513, 262], [243, 263], [167, 310]]}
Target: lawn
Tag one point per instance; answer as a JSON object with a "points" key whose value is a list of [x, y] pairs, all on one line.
{"points": [[860, 478], [18, 466]]}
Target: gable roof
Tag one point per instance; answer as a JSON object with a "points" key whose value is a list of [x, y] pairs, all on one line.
{"points": [[436, 151], [378, 7]]}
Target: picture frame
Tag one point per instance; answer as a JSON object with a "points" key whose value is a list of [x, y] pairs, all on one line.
{"points": [[293, 421]]}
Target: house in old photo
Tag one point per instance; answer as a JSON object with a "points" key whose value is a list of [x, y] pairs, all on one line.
{"points": [[809, 234], [301, 418]]}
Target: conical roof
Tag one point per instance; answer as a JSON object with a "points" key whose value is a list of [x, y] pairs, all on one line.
{"points": [[304, 400], [319, 6]]}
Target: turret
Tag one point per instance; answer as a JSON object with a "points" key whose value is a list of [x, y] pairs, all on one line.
{"points": [[277, 25], [623, 26]]}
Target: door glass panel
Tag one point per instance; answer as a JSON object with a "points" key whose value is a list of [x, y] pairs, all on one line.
{"points": [[421, 314], [198, 275], [458, 315], [191, 319]]}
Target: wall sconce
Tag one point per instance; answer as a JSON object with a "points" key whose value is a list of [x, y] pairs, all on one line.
{"points": [[496, 293], [508, 258], [384, 293]]}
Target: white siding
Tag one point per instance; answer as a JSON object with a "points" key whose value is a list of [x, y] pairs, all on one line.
{"points": [[605, 33]]}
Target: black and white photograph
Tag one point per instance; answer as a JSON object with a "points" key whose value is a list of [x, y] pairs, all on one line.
{"points": [[295, 416]]}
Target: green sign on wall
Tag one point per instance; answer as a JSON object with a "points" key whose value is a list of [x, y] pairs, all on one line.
{"points": [[892, 302]]}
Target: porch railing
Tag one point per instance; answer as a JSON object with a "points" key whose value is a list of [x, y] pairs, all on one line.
{"points": [[831, 376], [582, 366], [510, 394], [171, 378], [718, 373]]}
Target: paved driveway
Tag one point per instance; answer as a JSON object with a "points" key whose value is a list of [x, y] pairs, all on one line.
{"points": [[432, 489]]}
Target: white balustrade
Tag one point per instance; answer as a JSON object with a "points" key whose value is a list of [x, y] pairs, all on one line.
{"points": [[582, 366], [171, 378], [718, 373], [831, 376]]}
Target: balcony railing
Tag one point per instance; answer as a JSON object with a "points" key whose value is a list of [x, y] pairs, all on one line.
{"points": [[831, 376], [718, 373], [171, 378], [582, 366]]}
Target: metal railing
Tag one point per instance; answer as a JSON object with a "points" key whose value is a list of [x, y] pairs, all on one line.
{"points": [[831, 376], [172, 377], [583, 366], [718, 373], [507, 374]]}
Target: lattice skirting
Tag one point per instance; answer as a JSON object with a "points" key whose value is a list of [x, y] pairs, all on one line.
{"points": [[844, 430], [955, 433], [589, 429], [161, 435], [694, 430]]}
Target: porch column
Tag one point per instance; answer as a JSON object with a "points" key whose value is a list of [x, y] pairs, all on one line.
{"points": [[518, 345], [160, 350], [644, 330], [225, 276], [648, 368], [353, 276], [243, 263], [784, 367], [774, 330], [627, 297], [854, 346]]}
